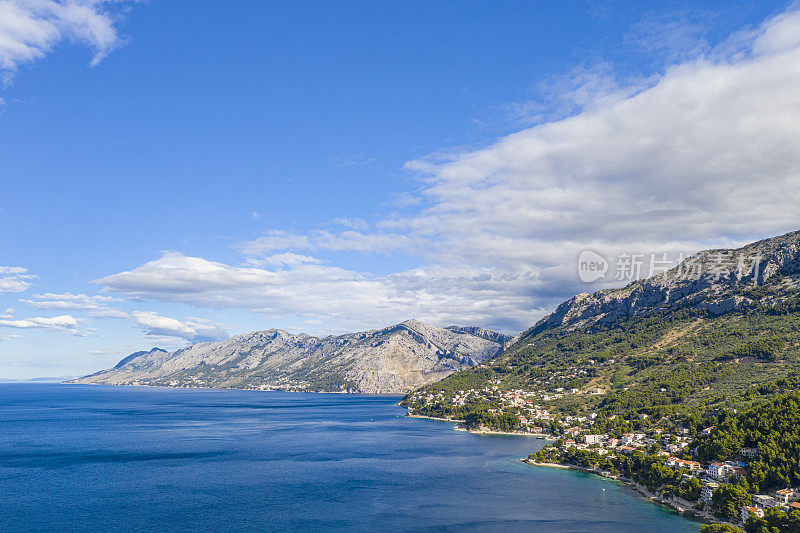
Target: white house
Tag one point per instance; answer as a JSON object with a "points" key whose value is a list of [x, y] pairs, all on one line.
{"points": [[594, 439], [749, 452], [764, 501], [720, 470], [707, 490], [786, 496], [746, 511], [692, 466]]}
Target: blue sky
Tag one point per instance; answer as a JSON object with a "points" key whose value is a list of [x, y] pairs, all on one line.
{"points": [[173, 172]]}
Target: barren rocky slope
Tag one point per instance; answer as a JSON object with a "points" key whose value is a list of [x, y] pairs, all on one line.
{"points": [[391, 360], [719, 281]]}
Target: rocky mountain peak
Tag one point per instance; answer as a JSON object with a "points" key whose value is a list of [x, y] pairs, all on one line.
{"points": [[719, 281]]}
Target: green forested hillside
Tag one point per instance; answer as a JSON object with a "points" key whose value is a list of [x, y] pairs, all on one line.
{"points": [[682, 360], [661, 345], [773, 428]]}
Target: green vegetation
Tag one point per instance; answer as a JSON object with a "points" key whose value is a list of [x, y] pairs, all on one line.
{"points": [[771, 427], [774, 429], [645, 469], [720, 528], [728, 499], [674, 362], [774, 521]]}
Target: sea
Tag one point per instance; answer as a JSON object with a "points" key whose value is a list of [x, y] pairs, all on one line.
{"points": [[98, 458]]}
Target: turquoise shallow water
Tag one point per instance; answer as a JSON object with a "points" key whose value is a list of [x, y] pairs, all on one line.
{"points": [[82, 458]]}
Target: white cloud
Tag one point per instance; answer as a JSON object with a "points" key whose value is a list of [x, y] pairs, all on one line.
{"points": [[340, 241], [14, 279], [62, 323], [275, 240], [193, 330], [94, 306], [356, 241], [404, 199], [705, 155], [175, 273], [284, 259], [584, 87], [340, 298], [30, 29], [710, 151], [676, 37]]}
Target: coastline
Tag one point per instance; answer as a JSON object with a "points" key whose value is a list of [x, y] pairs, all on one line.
{"points": [[409, 415], [198, 387], [542, 436], [682, 507], [460, 427]]}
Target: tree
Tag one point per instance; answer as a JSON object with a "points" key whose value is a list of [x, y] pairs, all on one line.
{"points": [[689, 490], [775, 521], [720, 528], [728, 500]]}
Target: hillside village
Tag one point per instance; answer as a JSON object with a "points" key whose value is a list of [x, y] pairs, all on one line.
{"points": [[660, 454], [664, 445]]}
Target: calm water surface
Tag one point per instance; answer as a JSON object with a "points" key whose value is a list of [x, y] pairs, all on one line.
{"points": [[83, 458]]}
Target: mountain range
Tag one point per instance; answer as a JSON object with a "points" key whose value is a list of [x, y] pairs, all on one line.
{"points": [[718, 323], [392, 360], [698, 335]]}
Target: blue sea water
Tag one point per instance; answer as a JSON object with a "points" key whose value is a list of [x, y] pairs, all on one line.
{"points": [[83, 458]]}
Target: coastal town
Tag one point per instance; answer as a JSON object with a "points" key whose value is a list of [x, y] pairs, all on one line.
{"points": [[710, 476], [578, 442]]}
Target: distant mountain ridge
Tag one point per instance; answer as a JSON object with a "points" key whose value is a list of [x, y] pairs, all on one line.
{"points": [[392, 360]]}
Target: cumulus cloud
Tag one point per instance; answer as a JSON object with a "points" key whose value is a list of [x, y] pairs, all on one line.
{"points": [[14, 279], [94, 306], [705, 155], [30, 29], [178, 274], [62, 323], [194, 330], [709, 155], [315, 293]]}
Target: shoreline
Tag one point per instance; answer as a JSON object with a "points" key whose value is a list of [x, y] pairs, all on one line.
{"points": [[683, 508], [423, 417], [73, 382], [459, 427], [541, 436]]}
